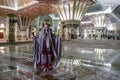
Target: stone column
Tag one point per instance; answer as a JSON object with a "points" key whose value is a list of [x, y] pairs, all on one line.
{"points": [[27, 33], [12, 29], [69, 34], [66, 32], [78, 32]]}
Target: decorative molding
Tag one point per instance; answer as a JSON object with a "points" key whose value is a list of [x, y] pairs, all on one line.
{"points": [[99, 20], [73, 10]]}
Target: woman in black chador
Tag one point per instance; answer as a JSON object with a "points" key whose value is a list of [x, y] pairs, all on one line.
{"points": [[47, 50]]}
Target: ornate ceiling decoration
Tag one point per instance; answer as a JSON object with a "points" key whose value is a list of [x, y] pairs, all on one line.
{"points": [[35, 8], [16, 4], [5, 12], [99, 20], [73, 9], [30, 8], [24, 22]]}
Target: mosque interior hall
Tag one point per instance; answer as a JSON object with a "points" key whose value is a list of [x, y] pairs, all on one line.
{"points": [[89, 31]]}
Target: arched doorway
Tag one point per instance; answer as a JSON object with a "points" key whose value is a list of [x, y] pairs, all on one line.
{"points": [[3, 29], [46, 19]]}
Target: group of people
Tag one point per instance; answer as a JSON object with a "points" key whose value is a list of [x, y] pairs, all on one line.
{"points": [[47, 49]]}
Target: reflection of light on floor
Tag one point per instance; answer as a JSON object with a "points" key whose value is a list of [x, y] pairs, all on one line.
{"points": [[86, 51], [99, 63], [77, 62], [108, 64], [6, 70], [1, 48], [79, 50], [88, 65], [99, 54], [66, 48], [23, 67], [87, 61], [2, 51]]}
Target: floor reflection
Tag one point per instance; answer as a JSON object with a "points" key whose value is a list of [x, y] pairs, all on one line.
{"points": [[76, 64]]}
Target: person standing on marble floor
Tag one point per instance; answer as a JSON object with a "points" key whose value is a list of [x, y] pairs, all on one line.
{"points": [[47, 50]]}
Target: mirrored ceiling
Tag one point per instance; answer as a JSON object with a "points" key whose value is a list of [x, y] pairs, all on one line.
{"points": [[35, 8]]}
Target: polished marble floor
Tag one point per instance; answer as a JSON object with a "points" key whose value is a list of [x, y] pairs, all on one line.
{"points": [[77, 63]]}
